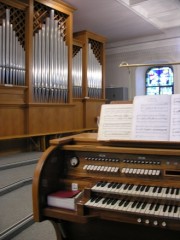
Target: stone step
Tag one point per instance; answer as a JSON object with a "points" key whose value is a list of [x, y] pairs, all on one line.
{"points": [[37, 231], [12, 175], [15, 206]]}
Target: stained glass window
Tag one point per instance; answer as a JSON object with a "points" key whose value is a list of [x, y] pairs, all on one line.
{"points": [[159, 80]]}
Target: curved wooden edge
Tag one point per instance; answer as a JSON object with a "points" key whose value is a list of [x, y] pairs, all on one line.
{"points": [[58, 230], [36, 183]]}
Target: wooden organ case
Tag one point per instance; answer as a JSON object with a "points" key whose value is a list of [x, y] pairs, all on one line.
{"points": [[131, 189]]}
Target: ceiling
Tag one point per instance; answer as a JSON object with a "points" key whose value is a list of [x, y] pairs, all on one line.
{"points": [[120, 20]]}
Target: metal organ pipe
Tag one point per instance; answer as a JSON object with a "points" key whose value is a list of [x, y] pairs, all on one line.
{"points": [[12, 57], [94, 75], [50, 70], [77, 74]]}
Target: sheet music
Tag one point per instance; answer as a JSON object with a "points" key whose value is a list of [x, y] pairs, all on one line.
{"points": [[175, 118], [151, 117], [115, 122]]}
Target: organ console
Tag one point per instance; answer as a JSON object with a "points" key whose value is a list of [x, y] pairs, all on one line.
{"points": [[130, 189]]}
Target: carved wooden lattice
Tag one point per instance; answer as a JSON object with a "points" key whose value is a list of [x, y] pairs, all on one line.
{"points": [[17, 19], [97, 48], [76, 49], [41, 12]]}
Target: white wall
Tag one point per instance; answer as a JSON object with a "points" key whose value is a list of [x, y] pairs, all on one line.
{"points": [[149, 52]]}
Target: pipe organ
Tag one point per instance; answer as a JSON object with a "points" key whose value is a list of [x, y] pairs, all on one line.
{"points": [[43, 69], [130, 189]]}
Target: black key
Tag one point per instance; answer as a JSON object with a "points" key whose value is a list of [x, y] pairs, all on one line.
{"points": [[121, 202], [114, 201], [165, 208], [157, 207], [130, 186], [154, 189], [142, 188], [103, 184], [109, 201], [97, 199], [99, 184], [177, 191], [151, 206], [110, 185], [138, 187], [138, 205], [172, 190], [134, 204], [144, 205], [114, 185], [93, 199], [167, 190], [105, 201], [118, 185], [175, 209], [170, 208], [126, 186], [147, 188], [159, 189], [126, 203]]}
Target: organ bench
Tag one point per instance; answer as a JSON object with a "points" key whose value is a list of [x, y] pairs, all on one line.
{"points": [[130, 189]]}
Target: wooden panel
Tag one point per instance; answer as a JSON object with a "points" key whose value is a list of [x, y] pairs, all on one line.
{"points": [[12, 94], [54, 117], [12, 120], [92, 108], [78, 114]]}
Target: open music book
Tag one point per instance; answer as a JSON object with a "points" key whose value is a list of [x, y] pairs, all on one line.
{"points": [[155, 118]]}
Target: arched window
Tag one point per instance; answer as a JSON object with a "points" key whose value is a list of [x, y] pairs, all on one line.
{"points": [[159, 80]]}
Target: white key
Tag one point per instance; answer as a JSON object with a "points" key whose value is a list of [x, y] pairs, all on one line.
{"points": [[109, 169], [123, 170], [120, 189], [142, 210], [146, 172], [150, 192], [129, 207], [99, 203], [138, 207], [105, 169], [160, 211], [130, 170], [164, 193], [142, 172], [116, 204], [158, 172], [147, 211], [134, 192], [85, 167]]}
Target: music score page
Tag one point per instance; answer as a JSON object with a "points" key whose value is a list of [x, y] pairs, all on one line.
{"points": [[115, 122], [151, 117]]}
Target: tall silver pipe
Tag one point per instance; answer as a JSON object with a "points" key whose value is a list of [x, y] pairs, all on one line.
{"points": [[7, 44], [0, 55], [3, 49], [43, 63]]}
